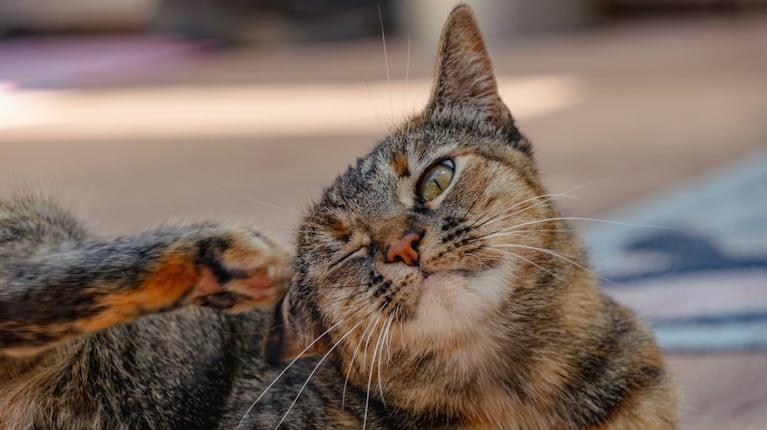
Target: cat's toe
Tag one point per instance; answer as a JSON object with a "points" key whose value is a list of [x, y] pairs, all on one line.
{"points": [[251, 272]]}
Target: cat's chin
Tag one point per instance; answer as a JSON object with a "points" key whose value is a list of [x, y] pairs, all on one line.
{"points": [[452, 302]]}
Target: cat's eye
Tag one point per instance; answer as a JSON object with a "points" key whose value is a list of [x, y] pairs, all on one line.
{"points": [[435, 180]]}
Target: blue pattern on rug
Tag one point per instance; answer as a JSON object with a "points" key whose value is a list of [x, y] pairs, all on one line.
{"points": [[698, 276]]}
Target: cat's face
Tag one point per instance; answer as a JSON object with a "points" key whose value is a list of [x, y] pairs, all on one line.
{"points": [[409, 261], [417, 233]]}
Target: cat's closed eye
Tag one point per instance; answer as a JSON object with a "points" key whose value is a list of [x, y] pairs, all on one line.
{"points": [[357, 246]]}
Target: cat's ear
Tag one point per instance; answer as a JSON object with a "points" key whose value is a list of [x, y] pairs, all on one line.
{"points": [[464, 72], [287, 340]]}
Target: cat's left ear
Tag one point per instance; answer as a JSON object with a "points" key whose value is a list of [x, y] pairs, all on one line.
{"points": [[288, 339], [464, 72]]}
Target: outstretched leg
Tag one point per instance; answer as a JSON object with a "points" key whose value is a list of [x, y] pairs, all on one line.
{"points": [[56, 283]]}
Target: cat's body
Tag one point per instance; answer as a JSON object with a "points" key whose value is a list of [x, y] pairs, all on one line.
{"points": [[434, 281], [190, 368]]}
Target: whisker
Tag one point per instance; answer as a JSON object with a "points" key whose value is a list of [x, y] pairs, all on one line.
{"points": [[370, 379], [476, 199], [349, 286], [274, 381], [504, 215], [354, 356], [382, 339], [478, 258], [386, 61], [250, 199], [407, 75], [385, 341], [388, 338], [518, 233], [547, 198], [545, 251], [314, 371], [597, 220], [367, 340], [558, 255], [512, 254], [398, 316], [352, 295]]}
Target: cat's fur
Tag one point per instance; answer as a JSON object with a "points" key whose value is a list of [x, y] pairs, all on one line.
{"points": [[474, 308]]}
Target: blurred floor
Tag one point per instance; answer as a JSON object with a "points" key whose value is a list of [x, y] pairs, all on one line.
{"points": [[618, 113]]}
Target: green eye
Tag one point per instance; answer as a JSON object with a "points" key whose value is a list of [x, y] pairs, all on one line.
{"points": [[435, 180]]}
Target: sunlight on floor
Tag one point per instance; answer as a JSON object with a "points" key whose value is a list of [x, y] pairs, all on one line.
{"points": [[279, 110]]}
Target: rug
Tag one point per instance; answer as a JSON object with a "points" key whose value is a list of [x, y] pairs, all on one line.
{"points": [[693, 261]]}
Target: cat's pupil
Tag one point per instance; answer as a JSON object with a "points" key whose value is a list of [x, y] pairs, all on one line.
{"points": [[435, 180]]}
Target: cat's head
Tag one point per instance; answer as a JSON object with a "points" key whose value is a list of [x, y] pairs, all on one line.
{"points": [[413, 262]]}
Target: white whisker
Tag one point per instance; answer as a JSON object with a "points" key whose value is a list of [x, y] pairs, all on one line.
{"points": [[388, 338], [399, 323], [250, 199], [558, 255], [370, 379], [545, 251], [250, 408], [351, 362], [512, 254], [476, 257], [407, 75], [518, 233], [545, 199], [386, 62], [367, 340], [604, 221], [381, 338], [314, 371]]}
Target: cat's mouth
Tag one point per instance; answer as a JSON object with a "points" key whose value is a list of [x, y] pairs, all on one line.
{"points": [[447, 279], [426, 273], [453, 299], [468, 270]]}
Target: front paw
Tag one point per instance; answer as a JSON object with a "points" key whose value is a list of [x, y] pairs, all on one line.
{"points": [[241, 271]]}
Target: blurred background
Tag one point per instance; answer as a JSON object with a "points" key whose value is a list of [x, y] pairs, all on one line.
{"points": [[645, 113]]}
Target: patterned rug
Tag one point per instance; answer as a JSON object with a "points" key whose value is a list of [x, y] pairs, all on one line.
{"points": [[693, 261]]}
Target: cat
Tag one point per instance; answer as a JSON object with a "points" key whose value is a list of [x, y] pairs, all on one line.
{"points": [[434, 285]]}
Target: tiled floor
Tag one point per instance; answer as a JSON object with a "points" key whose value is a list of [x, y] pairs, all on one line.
{"points": [[618, 113]]}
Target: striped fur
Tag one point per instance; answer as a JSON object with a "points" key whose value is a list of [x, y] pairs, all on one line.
{"points": [[493, 319], [500, 324]]}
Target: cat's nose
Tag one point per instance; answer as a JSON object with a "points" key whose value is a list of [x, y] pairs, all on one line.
{"points": [[404, 249]]}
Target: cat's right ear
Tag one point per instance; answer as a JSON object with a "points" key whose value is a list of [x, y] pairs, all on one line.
{"points": [[464, 72], [287, 340]]}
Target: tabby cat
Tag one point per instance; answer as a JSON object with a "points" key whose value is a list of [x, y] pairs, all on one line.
{"points": [[433, 286]]}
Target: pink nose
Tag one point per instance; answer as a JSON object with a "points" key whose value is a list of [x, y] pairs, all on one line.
{"points": [[405, 249]]}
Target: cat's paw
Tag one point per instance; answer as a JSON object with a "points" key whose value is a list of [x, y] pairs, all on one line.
{"points": [[245, 271]]}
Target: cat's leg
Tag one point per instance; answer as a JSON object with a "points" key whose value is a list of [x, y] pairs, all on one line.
{"points": [[57, 284]]}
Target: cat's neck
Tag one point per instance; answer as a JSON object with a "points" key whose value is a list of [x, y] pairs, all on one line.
{"points": [[503, 373]]}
